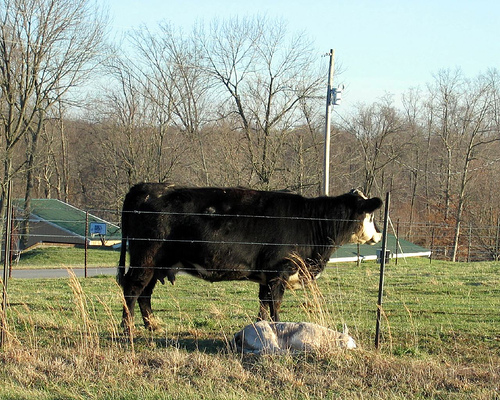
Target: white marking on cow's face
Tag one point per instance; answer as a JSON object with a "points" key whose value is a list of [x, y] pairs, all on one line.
{"points": [[368, 232]]}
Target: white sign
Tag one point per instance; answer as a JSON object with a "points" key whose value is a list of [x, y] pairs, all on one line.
{"points": [[98, 228]]}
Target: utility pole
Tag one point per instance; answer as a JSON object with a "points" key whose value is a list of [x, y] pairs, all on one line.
{"points": [[326, 166], [333, 97]]}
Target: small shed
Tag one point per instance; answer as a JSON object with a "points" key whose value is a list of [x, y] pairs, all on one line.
{"points": [[398, 249], [56, 222]]}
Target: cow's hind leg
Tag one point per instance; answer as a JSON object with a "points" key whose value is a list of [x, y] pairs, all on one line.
{"points": [[144, 301], [133, 286]]}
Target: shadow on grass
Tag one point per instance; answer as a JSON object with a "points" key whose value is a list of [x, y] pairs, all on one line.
{"points": [[190, 344], [208, 346]]}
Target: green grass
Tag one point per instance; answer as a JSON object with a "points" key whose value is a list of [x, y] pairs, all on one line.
{"points": [[63, 257], [440, 338]]}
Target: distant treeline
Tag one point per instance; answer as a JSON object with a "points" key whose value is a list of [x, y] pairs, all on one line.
{"points": [[234, 102]]}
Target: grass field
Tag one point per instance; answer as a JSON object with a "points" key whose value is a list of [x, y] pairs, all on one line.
{"points": [[440, 338], [64, 257]]}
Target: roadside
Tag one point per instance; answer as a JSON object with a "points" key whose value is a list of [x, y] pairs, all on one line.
{"points": [[42, 273]]}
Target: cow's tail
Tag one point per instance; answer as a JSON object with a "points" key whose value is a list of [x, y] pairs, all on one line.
{"points": [[120, 273]]}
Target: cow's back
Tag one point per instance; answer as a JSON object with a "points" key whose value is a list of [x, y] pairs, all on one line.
{"points": [[224, 233]]}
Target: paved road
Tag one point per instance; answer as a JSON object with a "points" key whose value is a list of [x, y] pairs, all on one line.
{"points": [[61, 272]]}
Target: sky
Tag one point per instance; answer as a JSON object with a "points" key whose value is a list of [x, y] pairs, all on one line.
{"points": [[381, 46]]}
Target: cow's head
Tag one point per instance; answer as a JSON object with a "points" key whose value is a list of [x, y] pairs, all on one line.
{"points": [[366, 231]]}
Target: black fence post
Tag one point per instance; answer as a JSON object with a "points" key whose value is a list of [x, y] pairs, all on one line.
{"points": [[382, 268], [86, 240]]}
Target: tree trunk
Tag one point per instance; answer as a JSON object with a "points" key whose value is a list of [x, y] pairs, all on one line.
{"points": [[30, 177]]}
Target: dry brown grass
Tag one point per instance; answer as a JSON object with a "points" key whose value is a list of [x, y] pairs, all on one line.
{"points": [[65, 342], [174, 373]]}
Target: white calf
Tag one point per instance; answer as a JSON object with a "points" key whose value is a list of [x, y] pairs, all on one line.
{"points": [[265, 337]]}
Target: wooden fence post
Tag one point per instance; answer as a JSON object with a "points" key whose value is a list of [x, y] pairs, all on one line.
{"points": [[6, 266]]}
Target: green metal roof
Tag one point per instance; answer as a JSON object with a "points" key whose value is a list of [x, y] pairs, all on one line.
{"points": [[349, 252], [67, 217]]}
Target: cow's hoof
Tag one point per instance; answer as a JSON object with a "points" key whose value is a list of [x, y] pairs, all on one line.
{"points": [[128, 328]]}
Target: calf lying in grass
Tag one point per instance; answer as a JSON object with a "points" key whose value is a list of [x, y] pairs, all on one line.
{"points": [[265, 337]]}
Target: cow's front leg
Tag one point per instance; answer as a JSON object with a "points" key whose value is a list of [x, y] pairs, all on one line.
{"points": [[264, 301], [144, 301], [270, 297]]}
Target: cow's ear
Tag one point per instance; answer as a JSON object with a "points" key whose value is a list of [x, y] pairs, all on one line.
{"points": [[370, 205]]}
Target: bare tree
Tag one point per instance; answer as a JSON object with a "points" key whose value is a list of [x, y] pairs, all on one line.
{"points": [[478, 128], [305, 150], [47, 47], [462, 117], [376, 127], [446, 94], [412, 162], [136, 136], [265, 73], [169, 66]]}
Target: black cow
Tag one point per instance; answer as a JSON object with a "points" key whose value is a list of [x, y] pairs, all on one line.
{"points": [[234, 234]]}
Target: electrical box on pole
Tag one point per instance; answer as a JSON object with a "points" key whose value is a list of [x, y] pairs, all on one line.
{"points": [[336, 95]]}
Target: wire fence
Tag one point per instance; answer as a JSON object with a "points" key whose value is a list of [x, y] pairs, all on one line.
{"points": [[416, 294], [475, 243]]}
